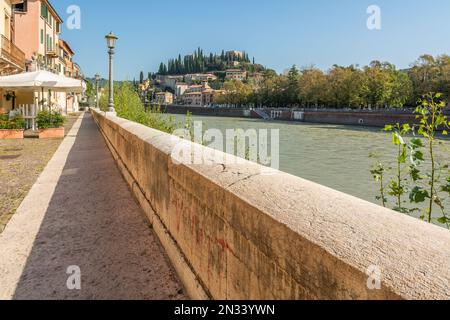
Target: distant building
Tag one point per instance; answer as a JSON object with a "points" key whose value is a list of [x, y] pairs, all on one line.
{"points": [[235, 74], [66, 66], [180, 89], [169, 81], [234, 54], [163, 98], [193, 98], [199, 95], [199, 77], [207, 97]]}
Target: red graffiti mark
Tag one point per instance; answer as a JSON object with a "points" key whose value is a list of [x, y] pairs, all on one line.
{"points": [[224, 244]]}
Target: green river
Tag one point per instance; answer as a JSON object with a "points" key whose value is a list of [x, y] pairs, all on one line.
{"points": [[332, 155]]}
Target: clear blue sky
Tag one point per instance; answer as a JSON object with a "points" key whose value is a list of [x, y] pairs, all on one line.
{"points": [[278, 33]]}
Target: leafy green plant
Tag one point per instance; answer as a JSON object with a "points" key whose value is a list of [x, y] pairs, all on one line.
{"points": [[427, 188], [18, 123], [49, 120], [129, 106], [378, 173], [430, 112], [397, 186]]}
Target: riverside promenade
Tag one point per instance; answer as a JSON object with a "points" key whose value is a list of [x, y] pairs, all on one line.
{"points": [[81, 214]]}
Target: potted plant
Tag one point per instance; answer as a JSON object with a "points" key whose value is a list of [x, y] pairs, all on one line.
{"points": [[50, 124], [11, 128]]}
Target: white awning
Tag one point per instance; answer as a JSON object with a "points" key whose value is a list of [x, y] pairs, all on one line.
{"points": [[39, 80]]}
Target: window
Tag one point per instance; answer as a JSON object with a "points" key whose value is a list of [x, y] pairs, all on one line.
{"points": [[42, 36], [21, 7], [58, 27], [44, 10]]}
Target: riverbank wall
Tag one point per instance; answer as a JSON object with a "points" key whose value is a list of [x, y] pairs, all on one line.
{"points": [[233, 230], [356, 118]]}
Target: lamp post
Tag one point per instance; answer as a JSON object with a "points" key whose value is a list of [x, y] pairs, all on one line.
{"points": [[97, 80], [111, 42]]}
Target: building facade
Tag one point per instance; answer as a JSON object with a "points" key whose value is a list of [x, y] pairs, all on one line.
{"points": [[38, 27], [12, 58], [30, 31], [200, 95], [199, 77], [163, 98], [236, 74]]}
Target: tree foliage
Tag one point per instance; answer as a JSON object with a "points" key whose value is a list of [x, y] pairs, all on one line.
{"points": [[199, 62], [375, 86]]}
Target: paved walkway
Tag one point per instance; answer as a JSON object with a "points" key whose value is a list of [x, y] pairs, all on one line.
{"points": [[81, 214]]}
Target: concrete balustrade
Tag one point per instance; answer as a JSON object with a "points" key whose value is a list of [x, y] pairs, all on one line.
{"points": [[234, 233]]}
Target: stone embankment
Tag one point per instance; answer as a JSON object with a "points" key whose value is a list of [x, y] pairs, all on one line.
{"points": [[234, 232]]}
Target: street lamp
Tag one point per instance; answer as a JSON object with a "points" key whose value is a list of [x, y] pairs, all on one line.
{"points": [[97, 80], [111, 42]]}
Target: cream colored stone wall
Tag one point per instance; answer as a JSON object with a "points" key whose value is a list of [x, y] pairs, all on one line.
{"points": [[233, 233]]}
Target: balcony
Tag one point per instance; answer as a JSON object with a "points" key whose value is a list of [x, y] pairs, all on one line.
{"points": [[12, 59], [51, 52]]}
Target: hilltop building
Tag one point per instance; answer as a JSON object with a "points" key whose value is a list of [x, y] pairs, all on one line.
{"points": [[235, 74]]}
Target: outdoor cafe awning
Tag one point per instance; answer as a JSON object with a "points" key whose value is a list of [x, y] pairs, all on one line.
{"points": [[42, 80]]}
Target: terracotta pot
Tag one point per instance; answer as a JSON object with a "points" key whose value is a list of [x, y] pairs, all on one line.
{"points": [[11, 134], [51, 133]]}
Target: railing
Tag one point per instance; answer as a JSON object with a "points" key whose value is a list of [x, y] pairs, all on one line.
{"points": [[262, 114], [51, 52], [29, 113], [12, 53]]}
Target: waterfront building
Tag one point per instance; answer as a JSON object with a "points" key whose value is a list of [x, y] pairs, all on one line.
{"points": [[38, 27], [200, 95], [12, 58], [164, 98], [192, 98], [68, 68], [31, 41], [66, 59], [180, 89]]}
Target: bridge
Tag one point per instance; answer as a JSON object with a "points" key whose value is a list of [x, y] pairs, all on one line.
{"points": [[115, 204]]}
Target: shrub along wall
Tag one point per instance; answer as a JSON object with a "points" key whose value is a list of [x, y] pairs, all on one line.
{"points": [[233, 233]]}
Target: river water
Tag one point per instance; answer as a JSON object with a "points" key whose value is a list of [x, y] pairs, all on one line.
{"points": [[335, 156]]}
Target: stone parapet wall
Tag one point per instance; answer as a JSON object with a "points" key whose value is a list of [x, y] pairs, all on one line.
{"points": [[234, 232]]}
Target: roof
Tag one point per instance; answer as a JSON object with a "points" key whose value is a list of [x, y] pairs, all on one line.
{"points": [[53, 11], [235, 70], [66, 45]]}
